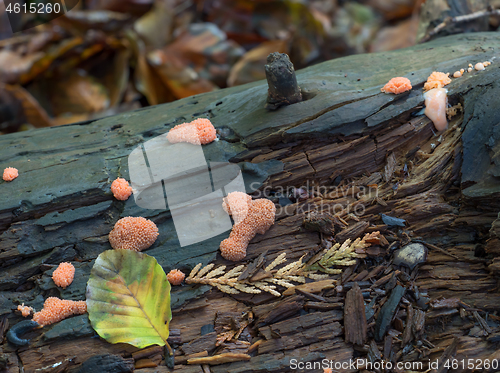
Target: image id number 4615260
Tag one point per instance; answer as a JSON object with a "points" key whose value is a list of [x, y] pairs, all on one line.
{"points": [[34, 8]]}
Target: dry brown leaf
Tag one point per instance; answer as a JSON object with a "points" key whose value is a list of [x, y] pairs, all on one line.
{"points": [[34, 113], [206, 49], [146, 79], [68, 119], [136, 7], [13, 64], [78, 94], [80, 21], [402, 35], [155, 26], [250, 67], [43, 63], [393, 9], [182, 80], [114, 73]]}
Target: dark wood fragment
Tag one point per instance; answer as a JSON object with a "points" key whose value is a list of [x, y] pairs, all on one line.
{"points": [[260, 275], [494, 337], [107, 364], [353, 231], [301, 330], [205, 342], [374, 352], [277, 311], [4, 326], [388, 348], [225, 321], [446, 356], [493, 243], [323, 222], [146, 352], [387, 312], [174, 336], [282, 82], [398, 324], [360, 276], [361, 284], [407, 334], [311, 296], [482, 322], [355, 327], [322, 306], [240, 347], [3, 362], [444, 303], [440, 313], [383, 280], [418, 323], [375, 272], [253, 267]]}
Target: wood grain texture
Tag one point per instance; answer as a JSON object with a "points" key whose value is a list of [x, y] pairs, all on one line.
{"points": [[61, 209]]}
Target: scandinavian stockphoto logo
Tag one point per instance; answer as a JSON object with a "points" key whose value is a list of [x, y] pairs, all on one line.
{"points": [[25, 14], [178, 176]]}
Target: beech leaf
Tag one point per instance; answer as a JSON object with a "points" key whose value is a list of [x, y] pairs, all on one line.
{"points": [[128, 299]]}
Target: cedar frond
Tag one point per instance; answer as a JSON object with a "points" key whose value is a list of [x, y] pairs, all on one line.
{"points": [[276, 262], [216, 272], [290, 273], [205, 270], [235, 272], [195, 270]]}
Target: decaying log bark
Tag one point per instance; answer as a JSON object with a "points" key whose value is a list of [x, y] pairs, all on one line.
{"points": [[445, 186], [355, 318]]}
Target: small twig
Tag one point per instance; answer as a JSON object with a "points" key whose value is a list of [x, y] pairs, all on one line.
{"points": [[482, 322], [170, 352], [465, 18], [437, 248]]}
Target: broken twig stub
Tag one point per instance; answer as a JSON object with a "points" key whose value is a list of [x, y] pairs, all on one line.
{"points": [[282, 82]]}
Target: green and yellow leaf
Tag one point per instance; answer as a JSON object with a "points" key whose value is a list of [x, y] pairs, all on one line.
{"points": [[128, 299]]}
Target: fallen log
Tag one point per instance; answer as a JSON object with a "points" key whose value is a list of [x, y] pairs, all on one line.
{"points": [[61, 209]]}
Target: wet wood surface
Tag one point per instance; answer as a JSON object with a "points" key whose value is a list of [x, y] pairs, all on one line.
{"points": [[341, 137]]}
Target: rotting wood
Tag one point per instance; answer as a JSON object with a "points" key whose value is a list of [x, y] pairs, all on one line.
{"points": [[448, 354], [353, 231], [204, 342], [332, 134], [355, 328]]}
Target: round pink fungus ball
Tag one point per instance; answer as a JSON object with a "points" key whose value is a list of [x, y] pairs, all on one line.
{"points": [[10, 173], [175, 277], [397, 85], [121, 189], [63, 275], [135, 234]]}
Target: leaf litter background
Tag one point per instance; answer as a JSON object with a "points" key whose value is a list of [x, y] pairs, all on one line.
{"points": [[111, 56]]}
